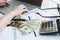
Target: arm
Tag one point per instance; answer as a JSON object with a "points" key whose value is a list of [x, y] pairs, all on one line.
{"points": [[6, 18]]}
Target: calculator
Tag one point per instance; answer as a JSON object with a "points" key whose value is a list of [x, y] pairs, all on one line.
{"points": [[48, 27]]}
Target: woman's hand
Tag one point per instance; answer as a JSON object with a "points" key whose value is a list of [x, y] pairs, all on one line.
{"points": [[19, 9], [4, 20], [3, 2]]}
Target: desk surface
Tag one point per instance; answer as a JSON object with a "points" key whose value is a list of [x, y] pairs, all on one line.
{"points": [[10, 33], [56, 1]]}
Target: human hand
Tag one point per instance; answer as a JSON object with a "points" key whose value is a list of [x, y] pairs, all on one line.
{"points": [[3, 2], [19, 9]]}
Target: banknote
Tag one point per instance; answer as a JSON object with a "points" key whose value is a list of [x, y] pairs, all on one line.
{"points": [[29, 26]]}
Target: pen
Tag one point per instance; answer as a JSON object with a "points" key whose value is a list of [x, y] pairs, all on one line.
{"points": [[34, 31]]}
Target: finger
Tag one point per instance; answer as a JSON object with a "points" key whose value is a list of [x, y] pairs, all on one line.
{"points": [[7, 3], [2, 4], [23, 7], [3, 1]]}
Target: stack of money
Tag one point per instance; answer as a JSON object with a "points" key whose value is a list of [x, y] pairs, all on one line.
{"points": [[28, 26]]}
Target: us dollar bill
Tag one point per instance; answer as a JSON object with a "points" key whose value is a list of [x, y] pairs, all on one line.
{"points": [[28, 26]]}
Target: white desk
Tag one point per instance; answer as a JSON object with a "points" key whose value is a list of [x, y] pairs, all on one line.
{"points": [[56, 1], [48, 4], [9, 33]]}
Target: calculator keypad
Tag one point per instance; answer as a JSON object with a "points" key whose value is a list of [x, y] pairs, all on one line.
{"points": [[48, 27]]}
